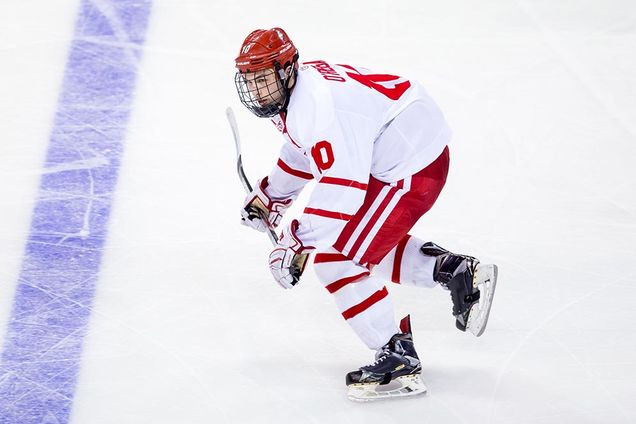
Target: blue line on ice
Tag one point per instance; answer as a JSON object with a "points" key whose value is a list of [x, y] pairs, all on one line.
{"points": [[42, 350]]}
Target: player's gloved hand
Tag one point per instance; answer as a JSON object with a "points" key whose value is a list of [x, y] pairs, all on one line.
{"points": [[287, 261], [260, 211]]}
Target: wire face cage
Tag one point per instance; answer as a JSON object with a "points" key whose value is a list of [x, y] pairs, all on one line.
{"points": [[262, 92]]}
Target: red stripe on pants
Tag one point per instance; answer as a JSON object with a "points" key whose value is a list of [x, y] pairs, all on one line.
{"points": [[365, 304], [367, 229], [424, 189]]}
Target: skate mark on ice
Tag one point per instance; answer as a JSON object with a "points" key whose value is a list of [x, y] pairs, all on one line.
{"points": [[506, 364], [591, 375]]}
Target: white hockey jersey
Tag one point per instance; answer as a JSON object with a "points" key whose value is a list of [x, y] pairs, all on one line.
{"points": [[342, 126]]}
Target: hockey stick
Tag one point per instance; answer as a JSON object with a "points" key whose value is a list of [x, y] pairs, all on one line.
{"points": [[239, 167]]}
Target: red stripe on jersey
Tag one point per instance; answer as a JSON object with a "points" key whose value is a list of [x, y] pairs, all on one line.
{"points": [[283, 117], [295, 172], [374, 218], [328, 214], [338, 284], [348, 67], [292, 140], [397, 261], [343, 182], [365, 304], [329, 257]]}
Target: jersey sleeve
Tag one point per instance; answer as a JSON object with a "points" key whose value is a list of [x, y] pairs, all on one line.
{"points": [[340, 157], [290, 175]]}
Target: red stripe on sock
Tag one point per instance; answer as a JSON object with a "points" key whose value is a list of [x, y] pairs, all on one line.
{"points": [[365, 304], [338, 284], [397, 261], [405, 324]]}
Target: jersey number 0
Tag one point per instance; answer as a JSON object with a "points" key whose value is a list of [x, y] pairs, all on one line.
{"points": [[322, 154]]}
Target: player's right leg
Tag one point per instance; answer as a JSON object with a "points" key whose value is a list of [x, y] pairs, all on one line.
{"points": [[472, 286], [406, 265]]}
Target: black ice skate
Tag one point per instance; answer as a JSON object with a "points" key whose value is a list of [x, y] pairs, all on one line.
{"points": [[471, 284], [395, 372]]}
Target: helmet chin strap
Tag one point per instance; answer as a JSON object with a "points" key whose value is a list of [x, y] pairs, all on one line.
{"points": [[285, 81]]}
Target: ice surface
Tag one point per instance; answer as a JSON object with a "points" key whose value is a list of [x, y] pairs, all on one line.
{"points": [[186, 324]]}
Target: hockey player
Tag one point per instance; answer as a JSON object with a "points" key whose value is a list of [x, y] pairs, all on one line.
{"points": [[377, 146]]}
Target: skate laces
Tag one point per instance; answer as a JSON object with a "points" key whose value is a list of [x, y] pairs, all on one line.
{"points": [[381, 355], [386, 351]]}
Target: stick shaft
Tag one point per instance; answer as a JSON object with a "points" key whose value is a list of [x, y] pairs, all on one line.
{"points": [[239, 166]]}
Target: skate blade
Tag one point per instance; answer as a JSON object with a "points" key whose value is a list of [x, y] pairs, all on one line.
{"points": [[486, 280], [407, 385]]}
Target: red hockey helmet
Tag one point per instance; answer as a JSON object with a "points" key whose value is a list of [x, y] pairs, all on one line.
{"points": [[266, 64], [266, 48]]}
